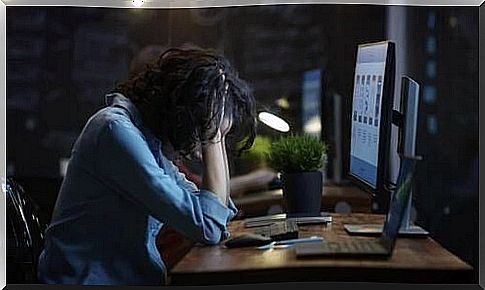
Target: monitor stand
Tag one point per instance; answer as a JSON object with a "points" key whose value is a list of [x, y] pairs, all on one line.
{"points": [[407, 227], [376, 230]]}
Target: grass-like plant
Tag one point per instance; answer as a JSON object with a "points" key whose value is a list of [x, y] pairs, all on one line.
{"points": [[297, 153]]}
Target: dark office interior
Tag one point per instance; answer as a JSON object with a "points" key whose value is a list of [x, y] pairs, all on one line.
{"points": [[61, 61]]}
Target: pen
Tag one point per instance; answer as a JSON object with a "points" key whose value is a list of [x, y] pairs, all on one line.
{"points": [[301, 240], [290, 243]]}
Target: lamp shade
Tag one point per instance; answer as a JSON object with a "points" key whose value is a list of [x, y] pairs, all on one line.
{"points": [[273, 121]]}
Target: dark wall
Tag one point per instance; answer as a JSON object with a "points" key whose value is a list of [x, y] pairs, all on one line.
{"points": [[444, 60], [60, 62], [482, 90]]}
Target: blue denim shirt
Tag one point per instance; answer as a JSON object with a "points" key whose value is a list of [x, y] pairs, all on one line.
{"points": [[118, 192]]}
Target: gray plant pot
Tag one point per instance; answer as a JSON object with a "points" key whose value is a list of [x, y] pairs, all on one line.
{"points": [[302, 192]]}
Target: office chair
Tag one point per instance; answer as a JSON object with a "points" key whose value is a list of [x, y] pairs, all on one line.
{"points": [[25, 235]]}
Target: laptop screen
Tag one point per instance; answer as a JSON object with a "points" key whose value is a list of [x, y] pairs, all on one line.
{"points": [[399, 200]]}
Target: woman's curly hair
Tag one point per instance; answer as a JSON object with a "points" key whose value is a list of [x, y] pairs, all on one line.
{"points": [[180, 97]]}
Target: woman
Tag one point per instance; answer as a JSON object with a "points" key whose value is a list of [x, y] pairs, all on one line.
{"points": [[121, 187]]}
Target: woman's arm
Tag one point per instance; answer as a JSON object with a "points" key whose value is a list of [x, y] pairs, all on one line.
{"points": [[215, 175], [226, 169], [126, 164]]}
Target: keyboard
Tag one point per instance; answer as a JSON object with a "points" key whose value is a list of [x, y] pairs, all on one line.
{"points": [[277, 231], [268, 220], [349, 248]]}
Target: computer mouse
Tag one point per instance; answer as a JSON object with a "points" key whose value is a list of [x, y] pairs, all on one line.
{"points": [[247, 240]]}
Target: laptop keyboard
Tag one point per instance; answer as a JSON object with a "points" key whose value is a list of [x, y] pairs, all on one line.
{"points": [[354, 246], [283, 230], [342, 248]]}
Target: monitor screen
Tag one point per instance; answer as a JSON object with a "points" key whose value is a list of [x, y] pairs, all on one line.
{"points": [[367, 112]]}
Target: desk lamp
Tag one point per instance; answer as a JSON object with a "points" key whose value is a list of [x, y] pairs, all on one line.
{"points": [[273, 121]]}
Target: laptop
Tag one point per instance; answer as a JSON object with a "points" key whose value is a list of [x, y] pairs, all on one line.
{"points": [[375, 248]]}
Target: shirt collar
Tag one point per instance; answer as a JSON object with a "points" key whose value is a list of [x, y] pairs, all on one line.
{"points": [[118, 100]]}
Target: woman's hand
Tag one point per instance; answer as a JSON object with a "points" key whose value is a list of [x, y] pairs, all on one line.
{"points": [[225, 126], [225, 118]]}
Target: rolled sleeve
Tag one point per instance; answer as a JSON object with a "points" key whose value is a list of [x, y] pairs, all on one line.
{"points": [[219, 213]]}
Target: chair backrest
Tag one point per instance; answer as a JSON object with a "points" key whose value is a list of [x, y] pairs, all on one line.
{"points": [[25, 235]]}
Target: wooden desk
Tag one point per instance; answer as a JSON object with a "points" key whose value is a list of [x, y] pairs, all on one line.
{"points": [[420, 260]]}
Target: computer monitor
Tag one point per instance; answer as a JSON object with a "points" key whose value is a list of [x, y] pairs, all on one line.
{"points": [[372, 102], [322, 118], [311, 102], [408, 117]]}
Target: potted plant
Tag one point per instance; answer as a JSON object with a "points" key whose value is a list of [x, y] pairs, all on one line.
{"points": [[299, 159]]}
